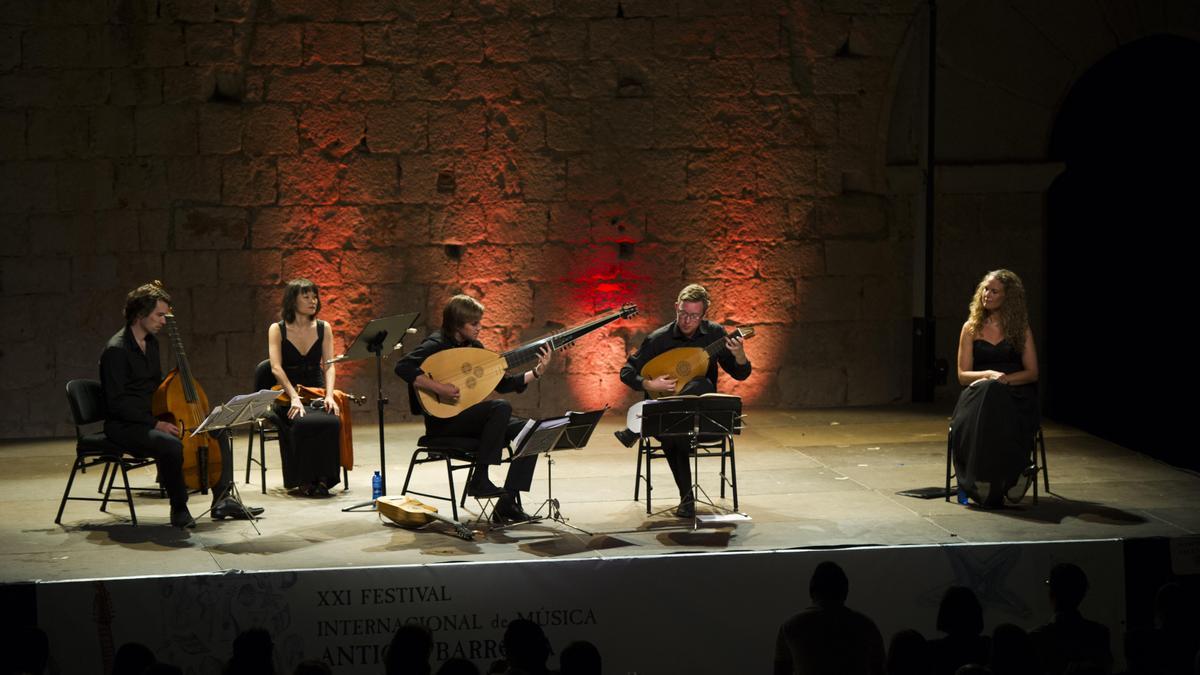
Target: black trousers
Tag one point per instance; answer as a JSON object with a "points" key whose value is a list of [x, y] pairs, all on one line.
{"points": [[493, 423], [167, 450], [678, 448]]}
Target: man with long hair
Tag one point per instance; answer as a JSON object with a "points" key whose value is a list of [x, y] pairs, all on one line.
{"points": [[491, 421], [130, 373]]}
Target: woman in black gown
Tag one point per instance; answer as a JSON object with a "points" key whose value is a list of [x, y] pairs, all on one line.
{"points": [[299, 347], [993, 427]]}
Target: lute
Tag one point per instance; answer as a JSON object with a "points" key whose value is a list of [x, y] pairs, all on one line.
{"points": [[686, 363], [476, 372]]}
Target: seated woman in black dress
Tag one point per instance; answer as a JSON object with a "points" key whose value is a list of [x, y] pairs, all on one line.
{"points": [[298, 347], [993, 427]]}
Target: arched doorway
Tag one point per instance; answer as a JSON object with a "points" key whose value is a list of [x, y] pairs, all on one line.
{"points": [[1120, 264]]}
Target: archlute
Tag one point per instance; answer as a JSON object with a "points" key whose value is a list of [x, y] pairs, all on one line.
{"points": [[476, 372], [686, 363]]}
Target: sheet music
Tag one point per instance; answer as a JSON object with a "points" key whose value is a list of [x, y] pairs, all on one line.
{"points": [[541, 442], [241, 409]]}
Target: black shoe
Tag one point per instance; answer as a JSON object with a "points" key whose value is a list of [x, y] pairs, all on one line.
{"points": [[626, 437], [483, 487], [181, 517], [231, 509], [509, 511], [686, 508]]}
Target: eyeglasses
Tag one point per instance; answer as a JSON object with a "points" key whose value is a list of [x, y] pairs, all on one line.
{"points": [[690, 316]]}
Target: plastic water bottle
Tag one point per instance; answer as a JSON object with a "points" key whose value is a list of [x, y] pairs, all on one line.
{"points": [[376, 486], [962, 494]]}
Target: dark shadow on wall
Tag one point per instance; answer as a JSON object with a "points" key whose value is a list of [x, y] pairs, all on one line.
{"points": [[1120, 252]]}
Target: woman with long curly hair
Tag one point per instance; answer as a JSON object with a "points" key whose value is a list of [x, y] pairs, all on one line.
{"points": [[993, 427]]}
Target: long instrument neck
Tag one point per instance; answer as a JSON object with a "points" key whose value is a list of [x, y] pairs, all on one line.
{"points": [[528, 352], [181, 362]]}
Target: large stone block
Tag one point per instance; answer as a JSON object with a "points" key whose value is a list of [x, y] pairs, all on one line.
{"points": [[191, 269], [786, 172], [507, 303], [116, 231], [398, 127], [140, 268], [270, 130], [507, 41], [851, 216], [370, 179], [757, 220], [458, 126], [58, 234], [623, 123], [85, 185], [458, 224], [111, 132], [828, 298], [165, 130], [426, 82], [12, 135], [212, 44], [308, 179], [721, 174], [558, 40], [159, 45], [310, 10], [22, 276], [333, 44], [752, 301], [402, 225], [718, 260], [55, 47], [277, 45], [620, 38], [451, 43], [543, 80], [248, 182], [334, 130], [195, 179], [568, 223], [394, 42], [250, 268], [142, 183], [812, 386], [791, 260], [10, 47], [220, 129], [377, 266], [366, 83], [720, 78], [756, 37], [136, 86], [189, 84], [862, 257], [516, 126], [613, 222], [568, 125], [200, 228], [322, 267], [218, 310], [153, 227], [686, 38], [57, 133]]}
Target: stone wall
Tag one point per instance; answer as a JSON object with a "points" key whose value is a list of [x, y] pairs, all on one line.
{"points": [[552, 157]]}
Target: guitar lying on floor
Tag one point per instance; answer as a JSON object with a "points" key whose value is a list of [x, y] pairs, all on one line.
{"points": [[476, 372]]}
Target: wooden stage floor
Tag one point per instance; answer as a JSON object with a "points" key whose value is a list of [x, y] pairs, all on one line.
{"points": [[807, 479]]}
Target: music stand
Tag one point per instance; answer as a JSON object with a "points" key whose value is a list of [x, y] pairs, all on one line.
{"points": [[693, 417], [239, 410], [573, 431], [380, 336]]}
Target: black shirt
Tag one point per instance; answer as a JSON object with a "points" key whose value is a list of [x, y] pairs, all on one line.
{"points": [[670, 337], [409, 367], [129, 378]]}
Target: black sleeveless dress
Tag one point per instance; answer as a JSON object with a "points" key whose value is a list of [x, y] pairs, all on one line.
{"points": [[308, 446], [993, 426]]}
